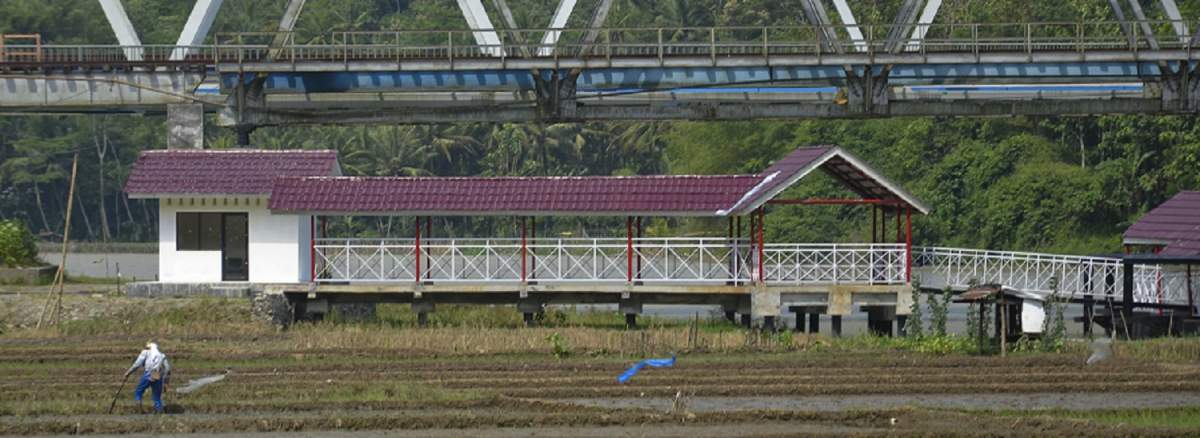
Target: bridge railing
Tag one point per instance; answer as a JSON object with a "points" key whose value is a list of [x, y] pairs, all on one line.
{"points": [[660, 42], [1073, 276], [606, 260]]}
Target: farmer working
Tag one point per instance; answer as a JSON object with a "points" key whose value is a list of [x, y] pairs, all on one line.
{"points": [[156, 372]]}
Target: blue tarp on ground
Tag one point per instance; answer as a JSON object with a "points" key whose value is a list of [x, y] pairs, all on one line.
{"points": [[656, 363]]}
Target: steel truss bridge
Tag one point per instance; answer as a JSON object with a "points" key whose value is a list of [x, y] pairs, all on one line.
{"points": [[913, 66], [719, 261]]}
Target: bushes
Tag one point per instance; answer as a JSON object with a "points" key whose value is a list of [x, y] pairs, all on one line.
{"points": [[17, 247]]}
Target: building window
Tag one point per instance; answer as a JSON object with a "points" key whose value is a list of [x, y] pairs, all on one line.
{"points": [[198, 231]]}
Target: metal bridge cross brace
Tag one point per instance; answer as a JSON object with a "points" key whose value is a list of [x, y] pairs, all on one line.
{"points": [[867, 92], [556, 96], [1180, 90]]}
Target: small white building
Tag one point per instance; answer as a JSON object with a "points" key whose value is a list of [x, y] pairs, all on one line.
{"points": [[214, 225]]}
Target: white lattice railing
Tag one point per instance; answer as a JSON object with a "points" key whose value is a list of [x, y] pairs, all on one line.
{"points": [[1030, 272], [1036, 273], [650, 260], [835, 263], [724, 261]]}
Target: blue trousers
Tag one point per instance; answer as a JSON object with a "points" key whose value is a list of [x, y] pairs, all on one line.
{"points": [[156, 389]]}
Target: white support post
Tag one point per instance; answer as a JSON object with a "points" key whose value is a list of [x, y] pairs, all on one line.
{"points": [[196, 28], [123, 28], [484, 33], [559, 21], [852, 29], [1145, 25], [922, 27]]}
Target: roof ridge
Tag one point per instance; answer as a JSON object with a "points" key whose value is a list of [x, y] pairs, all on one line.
{"points": [[241, 151], [509, 178]]}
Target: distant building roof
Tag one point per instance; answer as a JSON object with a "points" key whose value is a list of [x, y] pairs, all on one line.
{"points": [[1175, 224], [215, 172], [677, 195]]}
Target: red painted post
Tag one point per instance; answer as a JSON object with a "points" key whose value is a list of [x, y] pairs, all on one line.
{"points": [[417, 250], [761, 241], [639, 254], [312, 249], [629, 248], [908, 245], [524, 250], [428, 234], [533, 236]]}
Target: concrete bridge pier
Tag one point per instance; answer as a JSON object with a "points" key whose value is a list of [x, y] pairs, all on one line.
{"points": [[743, 310], [764, 303], [529, 309], [423, 308], [631, 308], [835, 325], [879, 319], [810, 313]]}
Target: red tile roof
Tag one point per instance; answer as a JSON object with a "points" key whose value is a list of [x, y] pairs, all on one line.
{"points": [[599, 195], [213, 172], [594, 195], [1175, 223]]}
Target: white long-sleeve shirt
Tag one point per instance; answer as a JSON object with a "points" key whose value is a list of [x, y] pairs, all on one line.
{"points": [[150, 359]]}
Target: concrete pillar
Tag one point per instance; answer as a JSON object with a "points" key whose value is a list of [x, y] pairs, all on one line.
{"points": [[1088, 312], [902, 325], [769, 323], [731, 316], [299, 308], [764, 303], [423, 309], [746, 320], [835, 325], [631, 308], [800, 311], [879, 319], [185, 126], [814, 323], [529, 309], [630, 320]]}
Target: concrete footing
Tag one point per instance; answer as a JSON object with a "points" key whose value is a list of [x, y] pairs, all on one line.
{"points": [[880, 319]]}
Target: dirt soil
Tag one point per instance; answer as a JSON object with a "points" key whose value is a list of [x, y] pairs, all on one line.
{"points": [[64, 386]]}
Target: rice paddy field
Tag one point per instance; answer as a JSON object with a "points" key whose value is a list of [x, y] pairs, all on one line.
{"points": [[477, 371]]}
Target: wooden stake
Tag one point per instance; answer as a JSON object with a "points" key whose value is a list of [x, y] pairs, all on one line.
{"points": [[1003, 326], [56, 291]]}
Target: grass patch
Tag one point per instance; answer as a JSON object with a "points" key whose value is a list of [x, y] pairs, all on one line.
{"points": [[1174, 418]]}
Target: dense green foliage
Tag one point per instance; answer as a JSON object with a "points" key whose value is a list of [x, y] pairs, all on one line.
{"points": [[17, 247], [1024, 183]]}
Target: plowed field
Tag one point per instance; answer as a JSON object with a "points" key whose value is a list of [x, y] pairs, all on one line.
{"points": [[65, 386]]}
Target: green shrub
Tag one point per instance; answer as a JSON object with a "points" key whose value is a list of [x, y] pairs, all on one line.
{"points": [[17, 246]]}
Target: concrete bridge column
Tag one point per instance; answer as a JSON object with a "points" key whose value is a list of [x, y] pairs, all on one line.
{"points": [[529, 309], [764, 303], [423, 308], [631, 308], [879, 319]]}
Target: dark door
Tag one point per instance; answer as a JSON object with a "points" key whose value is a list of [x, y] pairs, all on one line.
{"points": [[235, 250]]}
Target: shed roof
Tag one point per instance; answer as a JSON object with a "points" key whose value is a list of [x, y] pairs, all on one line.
{"points": [[160, 173], [1175, 223], [670, 195]]}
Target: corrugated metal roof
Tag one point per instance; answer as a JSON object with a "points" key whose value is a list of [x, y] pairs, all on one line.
{"points": [[1175, 223], [211, 172]]}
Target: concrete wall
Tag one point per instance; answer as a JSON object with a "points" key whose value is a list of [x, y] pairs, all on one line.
{"points": [[279, 244]]}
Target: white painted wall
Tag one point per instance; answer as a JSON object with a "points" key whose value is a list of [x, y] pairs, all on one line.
{"points": [[279, 244]]}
